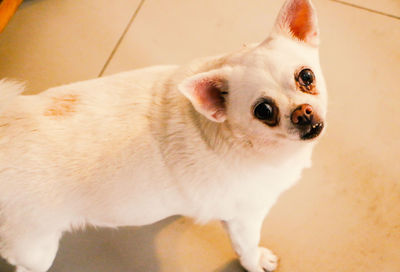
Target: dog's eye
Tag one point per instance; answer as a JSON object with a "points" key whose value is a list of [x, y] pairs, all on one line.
{"points": [[267, 112], [305, 81], [306, 77], [264, 111]]}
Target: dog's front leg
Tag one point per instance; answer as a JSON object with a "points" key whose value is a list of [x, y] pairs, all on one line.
{"points": [[244, 232]]}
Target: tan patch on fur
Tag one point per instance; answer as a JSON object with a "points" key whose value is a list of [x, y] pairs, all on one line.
{"points": [[307, 89], [62, 106]]}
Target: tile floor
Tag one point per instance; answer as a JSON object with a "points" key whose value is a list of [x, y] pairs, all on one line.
{"points": [[344, 215]]}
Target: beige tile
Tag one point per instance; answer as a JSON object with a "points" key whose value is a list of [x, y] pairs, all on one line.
{"points": [[344, 213], [391, 7], [191, 29], [49, 42]]}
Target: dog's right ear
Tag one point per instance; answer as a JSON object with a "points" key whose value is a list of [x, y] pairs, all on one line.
{"points": [[207, 91], [298, 20]]}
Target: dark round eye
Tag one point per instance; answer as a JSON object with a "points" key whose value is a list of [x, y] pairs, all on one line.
{"points": [[306, 77], [264, 111], [267, 112]]}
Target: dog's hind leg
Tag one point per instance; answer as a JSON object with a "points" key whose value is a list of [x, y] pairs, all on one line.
{"points": [[31, 251]]}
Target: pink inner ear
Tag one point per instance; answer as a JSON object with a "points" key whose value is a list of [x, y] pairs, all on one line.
{"points": [[301, 24], [206, 91], [209, 95], [299, 16]]}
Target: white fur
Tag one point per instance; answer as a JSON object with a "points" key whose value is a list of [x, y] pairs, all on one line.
{"points": [[8, 91], [130, 149]]}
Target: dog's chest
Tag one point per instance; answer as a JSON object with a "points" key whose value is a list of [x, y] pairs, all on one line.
{"points": [[235, 190]]}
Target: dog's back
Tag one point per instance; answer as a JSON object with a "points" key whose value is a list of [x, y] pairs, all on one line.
{"points": [[71, 133], [65, 146]]}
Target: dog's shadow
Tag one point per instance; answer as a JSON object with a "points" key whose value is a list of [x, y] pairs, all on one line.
{"points": [[105, 250], [5, 267], [124, 249], [232, 266]]}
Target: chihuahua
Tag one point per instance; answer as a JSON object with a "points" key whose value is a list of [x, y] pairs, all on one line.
{"points": [[218, 139]]}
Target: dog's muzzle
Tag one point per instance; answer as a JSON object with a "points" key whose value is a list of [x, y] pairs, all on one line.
{"points": [[309, 124]]}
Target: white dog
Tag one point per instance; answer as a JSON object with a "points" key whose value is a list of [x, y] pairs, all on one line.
{"points": [[220, 138]]}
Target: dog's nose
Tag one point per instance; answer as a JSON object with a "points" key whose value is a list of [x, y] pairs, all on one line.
{"points": [[308, 122], [302, 115]]}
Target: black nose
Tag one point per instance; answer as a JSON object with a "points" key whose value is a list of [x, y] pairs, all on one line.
{"points": [[309, 124]]}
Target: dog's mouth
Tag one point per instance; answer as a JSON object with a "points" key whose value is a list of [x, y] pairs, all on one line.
{"points": [[313, 132]]}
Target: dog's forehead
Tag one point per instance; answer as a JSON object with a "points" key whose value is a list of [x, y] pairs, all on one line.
{"points": [[273, 64], [280, 58], [285, 53]]}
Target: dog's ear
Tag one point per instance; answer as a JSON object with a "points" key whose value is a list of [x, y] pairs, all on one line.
{"points": [[298, 19], [207, 92]]}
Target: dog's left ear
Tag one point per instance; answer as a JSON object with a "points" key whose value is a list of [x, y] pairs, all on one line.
{"points": [[298, 19], [207, 91]]}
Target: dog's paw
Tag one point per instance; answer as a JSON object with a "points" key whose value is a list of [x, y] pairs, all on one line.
{"points": [[268, 260], [259, 259]]}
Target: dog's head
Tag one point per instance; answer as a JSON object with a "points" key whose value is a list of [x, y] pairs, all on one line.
{"points": [[270, 92]]}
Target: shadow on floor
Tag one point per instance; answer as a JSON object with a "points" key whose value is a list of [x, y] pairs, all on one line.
{"points": [[105, 250], [5, 267], [232, 266]]}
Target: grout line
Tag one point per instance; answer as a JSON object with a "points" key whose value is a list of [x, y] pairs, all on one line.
{"points": [[121, 38], [366, 9]]}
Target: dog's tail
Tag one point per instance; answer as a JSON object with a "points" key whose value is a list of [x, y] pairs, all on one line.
{"points": [[9, 90]]}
